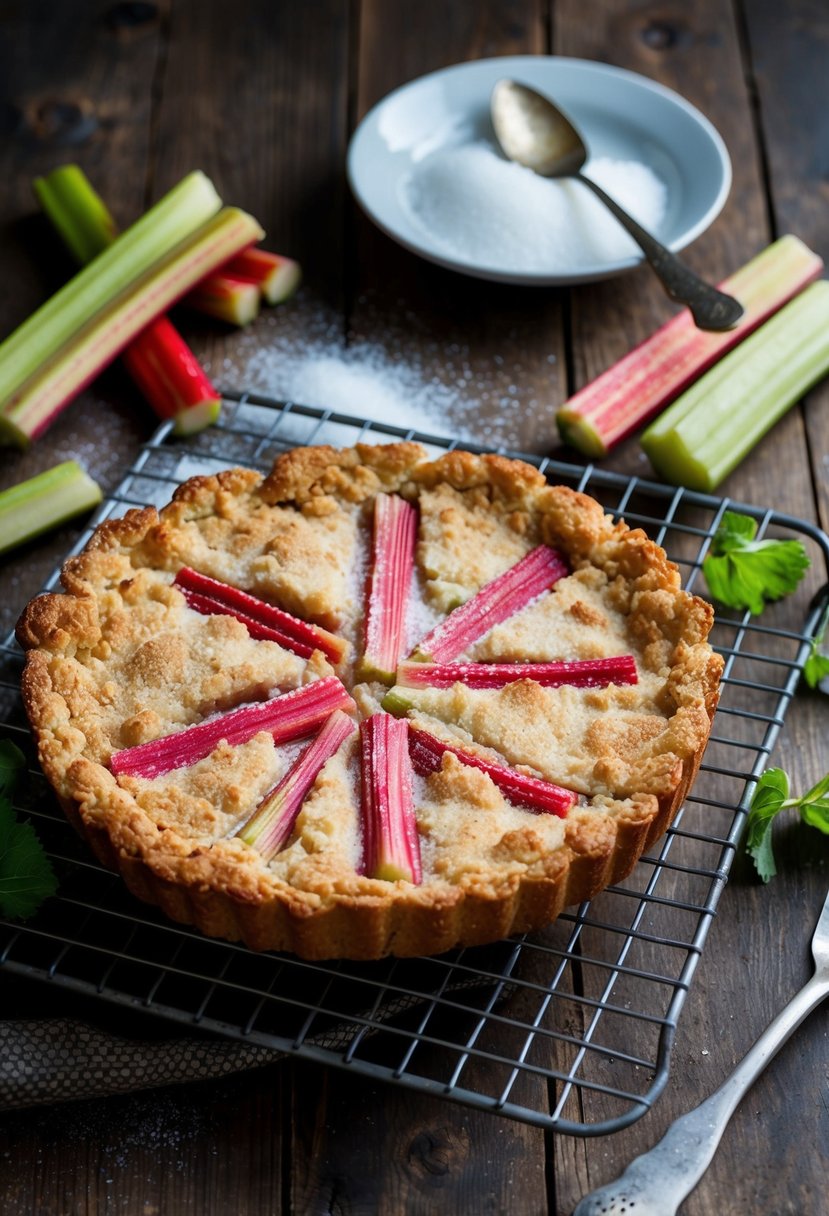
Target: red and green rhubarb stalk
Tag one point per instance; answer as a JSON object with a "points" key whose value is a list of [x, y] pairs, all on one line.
{"points": [[502, 598], [578, 673], [392, 562], [543, 797], [71, 338], [269, 828], [391, 847], [715, 424], [160, 362], [227, 297], [641, 384], [44, 501], [289, 716], [275, 276], [262, 621]]}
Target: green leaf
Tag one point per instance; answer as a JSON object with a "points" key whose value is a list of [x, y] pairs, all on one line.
{"points": [[816, 814], [769, 796], [12, 763], [817, 664], [26, 875], [742, 572]]}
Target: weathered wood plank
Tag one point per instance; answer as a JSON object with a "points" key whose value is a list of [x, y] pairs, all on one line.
{"points": [[789, 47], [76, 85], [501, 348]]}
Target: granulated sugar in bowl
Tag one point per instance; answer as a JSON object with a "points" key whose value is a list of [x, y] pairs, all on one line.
{"points": [[483, 209]]}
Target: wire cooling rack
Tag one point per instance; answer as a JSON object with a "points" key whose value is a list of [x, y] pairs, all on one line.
{"points": [[568, 1029]]}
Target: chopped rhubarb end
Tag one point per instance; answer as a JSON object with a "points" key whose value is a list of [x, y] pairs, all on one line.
{"points": [[394, 703], [635, 389], [202, 591], [533, 794], [269, 828], [579, 673], [226, 297], [502, 598], [286, 717], [276, 277], [392, 562], [391, 847], [169, 376]]}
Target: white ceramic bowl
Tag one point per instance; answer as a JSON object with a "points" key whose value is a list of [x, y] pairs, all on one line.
{"points": [[620, 114]]}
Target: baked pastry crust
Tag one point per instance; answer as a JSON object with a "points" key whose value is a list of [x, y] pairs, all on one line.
{"points": [[120, 659]]}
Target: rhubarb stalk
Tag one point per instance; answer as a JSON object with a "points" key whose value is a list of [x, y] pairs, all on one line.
{"points": [[391, 848], [584, 673], [497, 600], [286, 717], [392, 562], [714, 425], [641, 384], [269, 828], [88, 345], [543, 797], [211, 597], [158, 359], [44, 501]]}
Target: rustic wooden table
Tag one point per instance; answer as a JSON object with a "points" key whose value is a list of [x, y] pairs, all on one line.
{"points": [[263, 95]]}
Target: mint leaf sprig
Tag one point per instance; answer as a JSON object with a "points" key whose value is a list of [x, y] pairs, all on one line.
{"points": [[26, 875], [816, 666], [770, 798], [742, 572]]}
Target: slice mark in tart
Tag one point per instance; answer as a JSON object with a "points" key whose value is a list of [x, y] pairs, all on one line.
{"points": [[288, 716], [578, 673], [507, 594], [391, 846], [392, 563], [209, 597], [269, 828], [531, 793]]}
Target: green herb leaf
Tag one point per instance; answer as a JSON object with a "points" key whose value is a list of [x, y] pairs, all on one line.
{"points": [[814, 808], [12, 763], [817, 664], [26, 875], [771, 793], [742, 572]]}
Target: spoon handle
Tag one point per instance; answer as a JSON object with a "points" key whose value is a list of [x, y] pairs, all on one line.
{"points": [[711, 309]]}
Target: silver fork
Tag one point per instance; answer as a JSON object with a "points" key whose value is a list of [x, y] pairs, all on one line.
{"points": [[656, 1183]]}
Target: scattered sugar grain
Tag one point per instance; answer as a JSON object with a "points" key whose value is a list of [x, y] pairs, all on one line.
{"points": [[485, 209]]}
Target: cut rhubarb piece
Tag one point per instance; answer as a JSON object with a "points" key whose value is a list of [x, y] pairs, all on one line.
{"points": [[226, 297], [392, 562], [714, 425], [210, 596], [391, 847], [44, 501], [159, 360], [269, 828], [88, 345], [286, 717], [641, 384], [578, 673], [276, 277], [502, 598], [543, 797]]}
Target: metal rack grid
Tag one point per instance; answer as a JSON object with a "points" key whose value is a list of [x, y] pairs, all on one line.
{"points": [[569, 1029]]}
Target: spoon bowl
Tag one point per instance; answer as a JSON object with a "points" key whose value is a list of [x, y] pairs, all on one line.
{"points": [[535, 133]]}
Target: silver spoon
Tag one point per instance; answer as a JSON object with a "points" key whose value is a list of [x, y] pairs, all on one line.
{"points": [[656, 1183], [535, 133]]}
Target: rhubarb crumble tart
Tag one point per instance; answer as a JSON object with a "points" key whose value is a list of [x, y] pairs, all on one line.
{"points": [[370, 704]]}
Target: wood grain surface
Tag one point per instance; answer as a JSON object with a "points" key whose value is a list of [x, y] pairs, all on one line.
{"points": [[263, 95]]}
